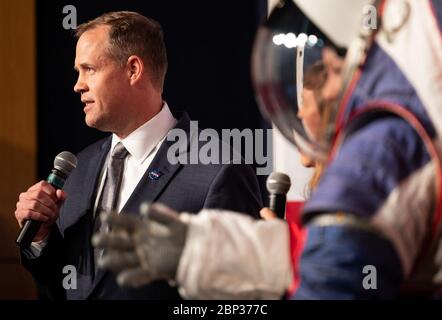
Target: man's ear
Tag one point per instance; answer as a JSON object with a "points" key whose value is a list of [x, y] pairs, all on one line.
{"points": [[135, 68]]}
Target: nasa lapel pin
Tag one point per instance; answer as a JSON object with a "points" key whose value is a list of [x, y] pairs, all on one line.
{"points": [[155, 174]]}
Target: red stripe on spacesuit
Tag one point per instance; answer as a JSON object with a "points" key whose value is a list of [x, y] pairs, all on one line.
{"points": [[340, 123], [340, 117], [381, 8]]}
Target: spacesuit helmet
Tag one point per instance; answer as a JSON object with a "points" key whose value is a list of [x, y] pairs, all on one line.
{"points": [[299, 53]]}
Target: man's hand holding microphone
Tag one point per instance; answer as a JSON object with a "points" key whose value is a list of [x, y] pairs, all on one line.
{"points": [[38, 208], [41, 202]]}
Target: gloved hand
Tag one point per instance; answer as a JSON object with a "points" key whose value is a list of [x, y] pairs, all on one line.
{"points": [[142, 249]]}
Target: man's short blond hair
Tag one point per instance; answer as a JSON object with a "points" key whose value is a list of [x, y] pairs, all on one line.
{"points": [[133, 34]]}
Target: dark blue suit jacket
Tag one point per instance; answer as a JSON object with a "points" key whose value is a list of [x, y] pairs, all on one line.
{"points": [[183, 187]]}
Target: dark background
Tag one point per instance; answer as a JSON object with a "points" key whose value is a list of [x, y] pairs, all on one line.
{"points": [[209, 47]]}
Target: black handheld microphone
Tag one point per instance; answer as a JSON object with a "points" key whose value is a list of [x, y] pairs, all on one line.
{"points": [[64, 163], [278, 184]]}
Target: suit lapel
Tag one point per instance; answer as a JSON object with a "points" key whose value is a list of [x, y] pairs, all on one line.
{"points": [[155, 179], [93, 174], [92, 177], [160, 171]]}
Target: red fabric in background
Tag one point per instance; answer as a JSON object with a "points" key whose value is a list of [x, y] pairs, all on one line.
{"points": [[297, 239], [293, 212]]}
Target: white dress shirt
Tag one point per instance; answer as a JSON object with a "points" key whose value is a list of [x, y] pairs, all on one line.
{"points": [[142, 146]]}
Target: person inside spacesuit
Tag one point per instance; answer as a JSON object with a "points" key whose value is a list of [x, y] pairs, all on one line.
{"points": [[310, 113], [373, 221]]}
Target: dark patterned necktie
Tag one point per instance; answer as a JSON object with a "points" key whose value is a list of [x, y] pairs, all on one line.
{"points": [[111, 191]]}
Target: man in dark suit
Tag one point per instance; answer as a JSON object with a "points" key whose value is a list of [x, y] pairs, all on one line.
{"points": [[121, 60]]}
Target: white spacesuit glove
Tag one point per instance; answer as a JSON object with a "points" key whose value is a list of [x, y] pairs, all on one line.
{"points": [[142, 249], [228, 255], [215, 254]]}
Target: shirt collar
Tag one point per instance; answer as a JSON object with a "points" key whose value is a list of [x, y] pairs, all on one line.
{"points": [[141, 142]]}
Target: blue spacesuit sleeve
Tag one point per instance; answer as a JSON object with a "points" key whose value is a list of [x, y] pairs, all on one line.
{"points": [[338, 259], [344, 263], [370, 164]]}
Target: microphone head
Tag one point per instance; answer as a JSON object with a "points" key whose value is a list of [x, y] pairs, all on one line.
{"points": [[65, 162], [278, 183]]}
